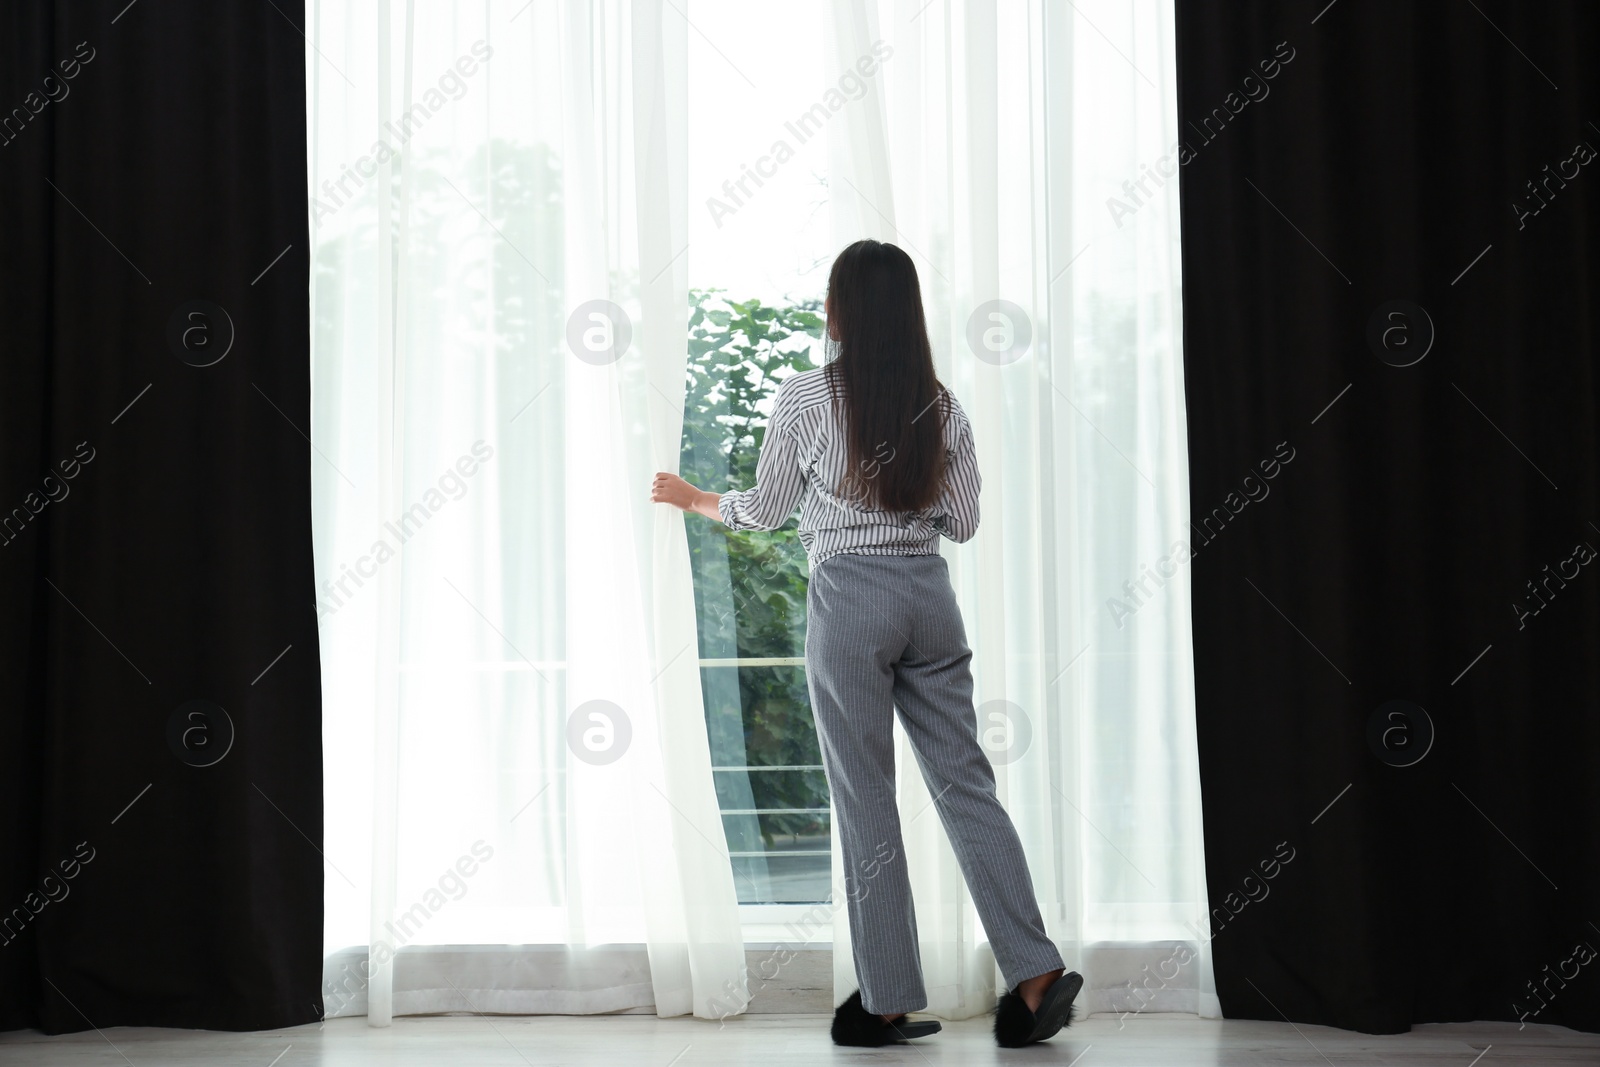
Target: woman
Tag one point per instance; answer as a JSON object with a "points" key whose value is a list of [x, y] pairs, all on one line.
{"points": [[882, 455]]}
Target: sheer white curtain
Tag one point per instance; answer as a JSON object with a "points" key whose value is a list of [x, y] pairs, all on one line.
{"points": [[990, 147], [520, 814]]}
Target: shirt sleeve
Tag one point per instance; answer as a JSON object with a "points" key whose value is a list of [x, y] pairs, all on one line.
{"points": [[779, 479], [956, 513]]}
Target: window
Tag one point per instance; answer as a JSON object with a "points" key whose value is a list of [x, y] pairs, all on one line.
{"points": [[750, 593], [760, 245]]}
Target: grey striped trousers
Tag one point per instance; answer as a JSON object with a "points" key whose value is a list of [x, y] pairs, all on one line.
{"points": [[884, 632]]}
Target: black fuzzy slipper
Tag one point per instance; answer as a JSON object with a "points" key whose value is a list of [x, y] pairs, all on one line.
{"points": [[855, 1025], [1016, 1026]]}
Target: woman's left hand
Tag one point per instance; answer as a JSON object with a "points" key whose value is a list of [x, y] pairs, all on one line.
{"points": [[671, 489]]}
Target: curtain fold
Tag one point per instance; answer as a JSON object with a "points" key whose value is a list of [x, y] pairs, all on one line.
{"points": [[514, 725], [989, 150]]}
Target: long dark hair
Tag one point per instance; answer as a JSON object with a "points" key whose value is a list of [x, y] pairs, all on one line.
{"points": [[893, 402]]}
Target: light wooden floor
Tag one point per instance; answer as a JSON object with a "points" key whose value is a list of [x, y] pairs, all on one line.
{"points": [[799, 1040]]}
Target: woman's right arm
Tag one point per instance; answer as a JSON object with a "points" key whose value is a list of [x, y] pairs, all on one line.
{"points": [[956, 513]]}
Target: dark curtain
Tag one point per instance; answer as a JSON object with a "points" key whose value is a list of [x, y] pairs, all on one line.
{"points": [[1390, 257], [160, 761]]}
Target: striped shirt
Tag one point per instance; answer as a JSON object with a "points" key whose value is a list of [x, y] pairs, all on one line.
{"points": [[805, 453]]}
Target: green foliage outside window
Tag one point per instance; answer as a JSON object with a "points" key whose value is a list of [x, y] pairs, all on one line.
{"points": [[751, 585]]}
